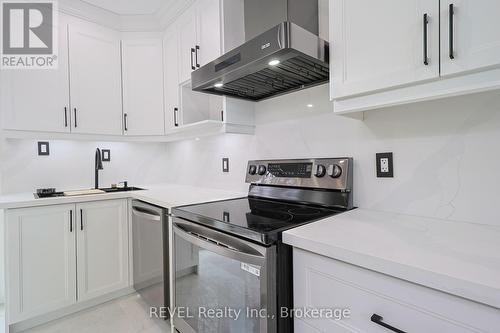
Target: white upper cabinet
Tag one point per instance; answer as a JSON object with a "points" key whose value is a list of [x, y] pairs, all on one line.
{"points": [[41, 260], [200, 36], [187, 44], [209, 31], [171, 78], [385, 53], [382, 44], [95, 79], [142, 70], [102, 250], [112, 83], [38, 100], [470, 35]]}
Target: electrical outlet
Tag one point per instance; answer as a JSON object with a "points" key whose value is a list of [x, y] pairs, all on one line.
{"points": [[385, 166], [225, 164], [106, 155], [43, 148]]}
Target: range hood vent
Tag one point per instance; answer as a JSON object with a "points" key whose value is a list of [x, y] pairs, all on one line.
{"points": [[292, 74], [285, 58]]}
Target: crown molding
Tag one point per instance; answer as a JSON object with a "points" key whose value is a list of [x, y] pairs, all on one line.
{"points": [[169, 13], [158, 21], [88, 12]]}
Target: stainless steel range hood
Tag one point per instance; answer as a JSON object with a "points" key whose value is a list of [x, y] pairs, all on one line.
{"points": [[288, 55]]}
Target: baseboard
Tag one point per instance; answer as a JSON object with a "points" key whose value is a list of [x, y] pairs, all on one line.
{"points": [[39, 320]]}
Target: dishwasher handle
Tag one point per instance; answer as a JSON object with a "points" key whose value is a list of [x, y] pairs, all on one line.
{"points": [[146, 213]]}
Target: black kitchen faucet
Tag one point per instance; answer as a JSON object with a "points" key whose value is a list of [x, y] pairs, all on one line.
{"points": [[98, 166]]}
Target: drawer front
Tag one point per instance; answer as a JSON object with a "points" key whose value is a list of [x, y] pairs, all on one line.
{"points": [[323, 283]]}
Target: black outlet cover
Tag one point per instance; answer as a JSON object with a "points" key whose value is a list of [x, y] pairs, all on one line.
{"points": [[389, 165], [225, 164], [106, 155], [43, 148]]}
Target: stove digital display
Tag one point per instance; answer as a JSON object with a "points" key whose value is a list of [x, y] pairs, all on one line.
{"points": [[290, 170]]}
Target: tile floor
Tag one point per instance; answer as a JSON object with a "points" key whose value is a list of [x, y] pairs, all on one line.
{"points": [[128, 314]]}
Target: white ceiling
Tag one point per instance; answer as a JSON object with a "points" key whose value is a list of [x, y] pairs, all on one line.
{"points": [[130, 7]]}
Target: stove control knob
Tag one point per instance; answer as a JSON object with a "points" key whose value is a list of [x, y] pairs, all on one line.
{"points": [[334, 171], [320, 170], [262, 170], [252, 170]]}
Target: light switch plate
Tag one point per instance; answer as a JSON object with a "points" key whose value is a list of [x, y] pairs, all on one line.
{"points": [[385, 165], [106, 155], [225, 164], [43, 148]]}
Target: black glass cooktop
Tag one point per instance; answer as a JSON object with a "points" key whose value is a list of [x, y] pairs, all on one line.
{"points": [[258, 219]]}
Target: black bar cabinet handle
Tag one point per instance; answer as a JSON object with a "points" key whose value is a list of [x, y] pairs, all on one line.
{"points": [[81, 219], [196, 55], [451, 12], [192, 64], [65, 116], [76, 124], [175, 117], [426, 23], [379, 321], [70, 221], [125, 121]]}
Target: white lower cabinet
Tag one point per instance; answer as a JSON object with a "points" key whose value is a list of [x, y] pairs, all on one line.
{"points": [[370, 297], [41, 260], [102, 248], [56, 258]]}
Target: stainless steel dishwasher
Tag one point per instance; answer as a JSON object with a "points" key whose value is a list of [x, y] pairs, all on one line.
{"points": [[150, 239]]}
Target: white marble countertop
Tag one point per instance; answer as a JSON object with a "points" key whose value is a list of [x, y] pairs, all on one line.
{"points": [[462, 259], [164, 195]]}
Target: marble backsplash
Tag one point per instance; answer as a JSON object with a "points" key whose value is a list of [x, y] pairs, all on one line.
{"points": [[446, 154]]}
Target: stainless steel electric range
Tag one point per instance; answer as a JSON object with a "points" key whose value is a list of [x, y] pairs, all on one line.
{"points": [[232, 271]]}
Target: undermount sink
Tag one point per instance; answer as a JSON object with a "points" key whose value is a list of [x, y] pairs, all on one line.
{"points": [[105, 190], [121, 189]]}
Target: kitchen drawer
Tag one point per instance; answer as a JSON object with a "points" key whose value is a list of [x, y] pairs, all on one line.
{"points": [[321, 282]]}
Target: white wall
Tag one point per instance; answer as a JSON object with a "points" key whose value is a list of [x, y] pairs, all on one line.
{"points": [[446, 152], [71, 165]]}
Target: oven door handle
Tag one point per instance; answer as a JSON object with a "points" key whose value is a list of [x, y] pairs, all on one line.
{"points": [[220, 243]]}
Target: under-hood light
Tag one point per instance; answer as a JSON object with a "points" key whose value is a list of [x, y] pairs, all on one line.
{"points": [[274, 62], [219, 85]]}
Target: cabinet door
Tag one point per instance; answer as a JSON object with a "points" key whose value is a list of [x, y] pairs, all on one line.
{"points": [[41, 260], [187, 44], [470, 35], [47, 108], [102, 248], [171, 77], [209, 32], [142, 68], [95, 79], [380, 44]]}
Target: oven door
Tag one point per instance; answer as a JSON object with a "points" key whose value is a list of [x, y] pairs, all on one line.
{"points": [[222, 283]]}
